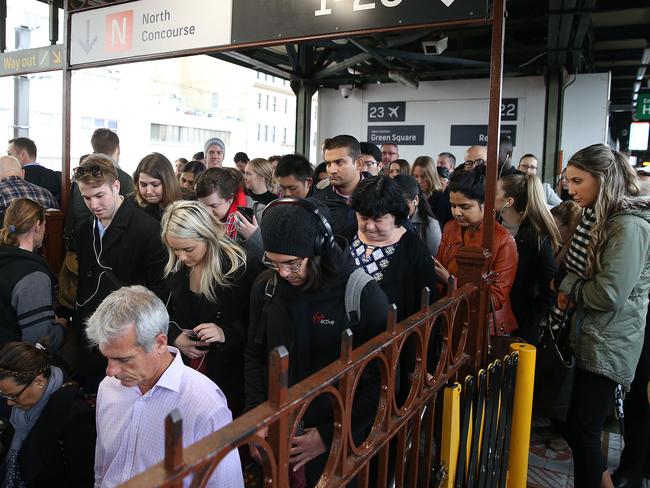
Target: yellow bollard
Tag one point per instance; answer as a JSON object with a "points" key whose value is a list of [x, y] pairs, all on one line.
{"points": [[522, 414], [450, 433]]}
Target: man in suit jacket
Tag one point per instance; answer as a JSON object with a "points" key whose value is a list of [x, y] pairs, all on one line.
{"points": [[24, 149]]}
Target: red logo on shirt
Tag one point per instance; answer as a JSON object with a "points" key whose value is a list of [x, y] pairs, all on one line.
{"points": [[320, 319]]}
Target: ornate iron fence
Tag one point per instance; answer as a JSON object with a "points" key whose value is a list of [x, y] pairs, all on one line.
{"points": [[408, 429]]}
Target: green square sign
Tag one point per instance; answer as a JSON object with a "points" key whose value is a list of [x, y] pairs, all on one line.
{"points": [[643, 106]]}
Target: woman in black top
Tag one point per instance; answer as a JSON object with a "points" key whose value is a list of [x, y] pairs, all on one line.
{"points": [[156, 185], [524, 213], [258, 177], [299, 303], [51, 441], [210, 284], [397, 259]]}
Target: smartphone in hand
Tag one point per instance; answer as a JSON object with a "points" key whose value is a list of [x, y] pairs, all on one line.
{"points": [[246, 212]]}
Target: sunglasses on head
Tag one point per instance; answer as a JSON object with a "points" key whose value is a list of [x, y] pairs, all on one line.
{"points": [[95, 171]]}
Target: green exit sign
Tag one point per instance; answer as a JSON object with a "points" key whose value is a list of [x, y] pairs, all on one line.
{"points": [[643, 106]]}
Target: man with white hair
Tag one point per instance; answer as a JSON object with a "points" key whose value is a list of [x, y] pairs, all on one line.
{"points": [[146, 380], [13, 186]]}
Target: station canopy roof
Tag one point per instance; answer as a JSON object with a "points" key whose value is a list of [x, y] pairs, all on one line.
{"points": [[582, 36]]}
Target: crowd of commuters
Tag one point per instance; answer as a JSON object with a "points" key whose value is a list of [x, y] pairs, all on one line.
{"points": [[186, 276]]}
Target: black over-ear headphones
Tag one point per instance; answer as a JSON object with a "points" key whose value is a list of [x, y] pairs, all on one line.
{"points": [[323, 241]]}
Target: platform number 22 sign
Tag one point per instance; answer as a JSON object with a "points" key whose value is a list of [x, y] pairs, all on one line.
{"points": [[357, 5]]}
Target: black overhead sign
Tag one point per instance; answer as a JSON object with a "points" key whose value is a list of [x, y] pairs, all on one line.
{"points": [[404, 135], [470, 135], [386, 111], [509, 108], [263, 20]]}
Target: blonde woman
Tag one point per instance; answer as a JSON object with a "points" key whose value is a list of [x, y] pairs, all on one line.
{"points": [[521, 201], [425, 173], [258, 177], [209, 286]]}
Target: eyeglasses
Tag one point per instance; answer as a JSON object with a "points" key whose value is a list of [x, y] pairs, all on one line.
{"points": [[292, 266], [370, 164], [528, 167], [95, 171], [473, 164], [13, 398]]}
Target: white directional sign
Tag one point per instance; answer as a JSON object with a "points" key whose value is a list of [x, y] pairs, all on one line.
{"points": [[149, 27]]}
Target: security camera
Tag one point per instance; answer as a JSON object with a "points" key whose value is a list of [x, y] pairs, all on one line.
{"points": [[432, 48], [346, 91]]}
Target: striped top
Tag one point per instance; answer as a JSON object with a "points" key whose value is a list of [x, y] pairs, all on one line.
{"points": [[576, 258]]}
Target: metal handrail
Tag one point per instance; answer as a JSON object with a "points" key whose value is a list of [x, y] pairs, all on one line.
{"points": [[448, 317]]}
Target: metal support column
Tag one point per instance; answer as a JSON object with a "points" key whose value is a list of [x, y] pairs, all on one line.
{"points": [[21, 89], [54, 22], [3, 26], [553, 123], [66, 109], [304, 93]]}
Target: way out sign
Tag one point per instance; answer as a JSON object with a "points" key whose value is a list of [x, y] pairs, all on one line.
{"points": [[26, 61]]}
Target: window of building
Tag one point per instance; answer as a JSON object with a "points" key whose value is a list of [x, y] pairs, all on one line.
{"points": [[275, 104], [273, 135], [266, 133], [259, 100], [175, 134], [259, 132], [286, 105], [284, 135]]}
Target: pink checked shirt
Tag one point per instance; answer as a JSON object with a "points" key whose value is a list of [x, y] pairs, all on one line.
{"points": [[131, 426]]}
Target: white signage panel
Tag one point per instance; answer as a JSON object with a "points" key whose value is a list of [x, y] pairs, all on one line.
{"points": [[149, 27]]}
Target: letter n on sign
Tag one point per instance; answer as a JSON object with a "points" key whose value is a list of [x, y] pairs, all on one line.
{"points": [[119, 31]]}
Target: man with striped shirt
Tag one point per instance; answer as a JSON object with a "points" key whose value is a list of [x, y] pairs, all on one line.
{"points": [[146, 380]]}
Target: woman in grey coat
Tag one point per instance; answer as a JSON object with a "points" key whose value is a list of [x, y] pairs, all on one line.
{"points": [[607, 284]]}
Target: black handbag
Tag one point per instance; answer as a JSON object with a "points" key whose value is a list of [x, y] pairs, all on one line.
{"points": [[555, 366]]}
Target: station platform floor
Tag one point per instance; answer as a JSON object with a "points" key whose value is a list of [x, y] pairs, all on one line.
{"points": [[550, 464]]}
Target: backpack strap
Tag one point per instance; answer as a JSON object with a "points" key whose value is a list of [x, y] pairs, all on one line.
{"points": [[357, 281]]}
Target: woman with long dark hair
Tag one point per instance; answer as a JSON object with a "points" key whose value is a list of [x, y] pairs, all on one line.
{"points": [[156, 185], [420, 214], [606, 287]]}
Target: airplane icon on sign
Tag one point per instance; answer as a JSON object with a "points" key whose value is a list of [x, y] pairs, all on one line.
{"points": [[392, 112]]}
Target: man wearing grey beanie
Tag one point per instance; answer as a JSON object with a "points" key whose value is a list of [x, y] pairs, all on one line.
{"points": [[214, 151]]}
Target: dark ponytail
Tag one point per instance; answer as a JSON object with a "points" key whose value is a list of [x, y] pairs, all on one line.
{"points": [[470, 183]]}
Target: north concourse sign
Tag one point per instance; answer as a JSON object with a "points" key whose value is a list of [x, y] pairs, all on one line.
{"points": [[257, 20], [147, 27], [152, 27]]}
